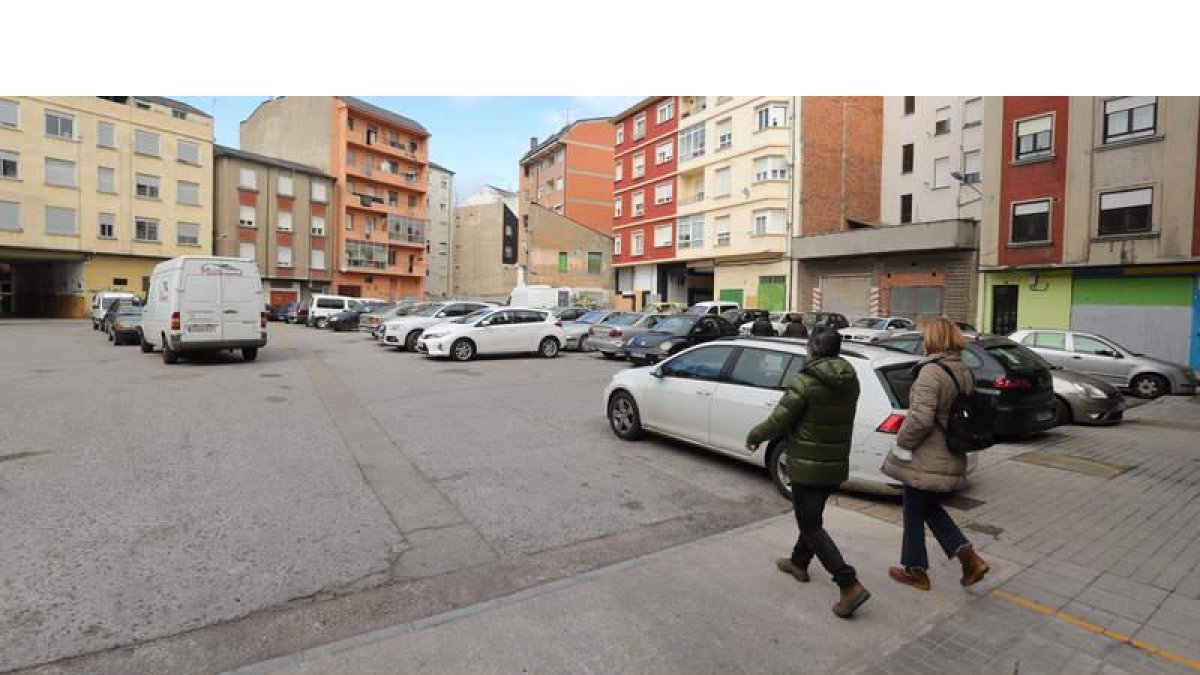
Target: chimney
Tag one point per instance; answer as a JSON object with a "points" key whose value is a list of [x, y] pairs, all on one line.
{"points": [[532, 142]]}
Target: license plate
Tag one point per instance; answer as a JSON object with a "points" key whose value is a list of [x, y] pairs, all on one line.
{"points": [[202, 328], [1044, 415]]}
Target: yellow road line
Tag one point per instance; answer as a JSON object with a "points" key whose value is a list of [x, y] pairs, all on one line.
{"points": [[1099, 630]]}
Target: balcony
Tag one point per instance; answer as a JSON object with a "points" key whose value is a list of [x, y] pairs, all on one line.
{"points": [[405, 230], [413, 181], [694, 198], [357, 138]]}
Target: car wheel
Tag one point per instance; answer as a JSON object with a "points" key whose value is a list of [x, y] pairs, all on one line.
{"points": [[95, 326], [169, 356], [1062, 413], [321, 322], [608, 355], [410, 340], [624, 417], [249, 353], [462, 350], [777, 467], [1150, 385], [146, 346], [548, 348]]}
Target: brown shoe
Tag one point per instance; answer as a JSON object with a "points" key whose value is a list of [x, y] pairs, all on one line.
{"points": [[852, 597], [973, 566], [916, 578], [786, 566]]}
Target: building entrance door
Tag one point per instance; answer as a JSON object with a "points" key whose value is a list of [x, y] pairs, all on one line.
{"points": [[1004, 308]]}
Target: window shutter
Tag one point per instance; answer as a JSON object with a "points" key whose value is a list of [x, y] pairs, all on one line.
{"points": [[1121, 200], [60, 220]]}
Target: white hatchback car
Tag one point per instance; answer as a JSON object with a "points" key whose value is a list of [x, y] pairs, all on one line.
{"points": [[712, 395], [496, 330], [403, 332]]}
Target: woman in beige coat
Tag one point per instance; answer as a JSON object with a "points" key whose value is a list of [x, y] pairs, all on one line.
{"points": [[924, 464]]}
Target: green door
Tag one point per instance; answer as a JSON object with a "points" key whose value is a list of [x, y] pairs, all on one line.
{"points": [[731, 295], [771, 292]]}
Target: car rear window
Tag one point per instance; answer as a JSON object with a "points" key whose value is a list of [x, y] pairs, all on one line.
{"points": [[623, 319], [1016, 357], [898, 381]]}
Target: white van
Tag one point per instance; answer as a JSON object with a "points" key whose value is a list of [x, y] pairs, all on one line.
{"points": [[539, 296], [713, 307], [202, 303], [321, 307], [102, 301]]}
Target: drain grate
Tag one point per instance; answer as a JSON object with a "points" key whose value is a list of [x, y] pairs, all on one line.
{"points": [[1086, 467]]}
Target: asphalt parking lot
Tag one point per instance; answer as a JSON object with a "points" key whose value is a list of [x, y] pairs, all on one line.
{"points": [[142, 500]]}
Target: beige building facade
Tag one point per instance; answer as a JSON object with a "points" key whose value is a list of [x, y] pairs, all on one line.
{"points": [[479, 268], [439, 244]]}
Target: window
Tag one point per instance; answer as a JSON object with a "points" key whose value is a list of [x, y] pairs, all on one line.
{"points": [[60, 172], [564, 261], [666, 110], [639, 165], [59, 125], [1046, 340], [187, 193], [9, 113], [248, 179], [691, 232], [595, 260], [246, 250], [284, 223], [906, 158], [941, 172], [617, 243], [699, 364], [771, 115], [973, 166], [9, 164], [941, 124], [372, 135], [638, 201], [317, 259], [721, 225], [147, 186], [662, 235], [10, 216], [724, 134], [393, 198], [106, 135], [621, 133], [1031, 222], [770, 221], [639, 126], [319, 191], [637, 243], [285, 186], [771, 167], [106, 179], [663, 193], [910, 105], [619, 171], [145, 229], [973, 112], [283, 256], [60, 221], [906, 208], [760, 368], [1126, 212], [145, 143], [246, 216], [108, 225], [1034, 137], [318, 226], [558, 184], [188, 234], [412, 201], [724, 181], [1130, 117], [691, 142], [1082, 344], [664, 152], [617, 207], [187, 152], [178, 114]]}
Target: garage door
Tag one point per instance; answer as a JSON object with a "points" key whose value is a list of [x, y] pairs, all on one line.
{"points": [[1148, 315], [847, 295], [771, 292], [281, 298]]}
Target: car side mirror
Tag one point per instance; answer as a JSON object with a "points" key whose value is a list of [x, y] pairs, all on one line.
{"points": [[657, 372]]}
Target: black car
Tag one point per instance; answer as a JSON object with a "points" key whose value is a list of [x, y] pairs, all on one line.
{"points": [[276, 312], [831, 319], [123, 323], [348, 320], [1019, 379], [741, 316], [676, 333]]}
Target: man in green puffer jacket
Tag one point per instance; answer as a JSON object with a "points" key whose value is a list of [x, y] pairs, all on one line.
{"points": [[815, 419]]}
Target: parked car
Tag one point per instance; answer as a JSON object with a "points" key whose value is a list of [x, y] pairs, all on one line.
{"points": [[302, 313], [115, 305], [741, 317], [872, 328], [102, 301], [830, 319], [403, 332], [565, 314], [664, 308], [276, 312], [204, 304], [1104, 358], [610, 336], [779, 321], [1020, 380], [713, 307], [348, 320], [967, 329], [713, 394], [676, 333], [321, 307], [371, 321], [289, 312], [1083, 399], [577, 330], [495, 330], [123, 322]]}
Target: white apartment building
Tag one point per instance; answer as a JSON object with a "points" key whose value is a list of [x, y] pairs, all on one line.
{"points": [[439, 245]]}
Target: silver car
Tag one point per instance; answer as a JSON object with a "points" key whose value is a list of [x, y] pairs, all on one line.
{"points": [[577, 330], [1103, 358], [609, 337]]}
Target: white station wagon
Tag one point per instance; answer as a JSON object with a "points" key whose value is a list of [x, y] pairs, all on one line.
{"points": [[712, 395]]}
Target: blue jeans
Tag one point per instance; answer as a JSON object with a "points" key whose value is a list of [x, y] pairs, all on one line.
{"points": [[923, 508]]}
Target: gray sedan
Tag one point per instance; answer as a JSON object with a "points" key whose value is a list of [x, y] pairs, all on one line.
{"points": [[609, 337], [578, 329], [1101, 357]]}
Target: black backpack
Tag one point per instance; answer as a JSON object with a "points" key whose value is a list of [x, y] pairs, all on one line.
{"points": [[971, 426]]}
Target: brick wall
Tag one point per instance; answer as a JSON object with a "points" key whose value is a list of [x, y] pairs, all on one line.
{"points": [[841, 161]]}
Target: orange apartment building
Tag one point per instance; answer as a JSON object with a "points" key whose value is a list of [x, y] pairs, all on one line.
{"points": [[380, 161], [571, 173]]}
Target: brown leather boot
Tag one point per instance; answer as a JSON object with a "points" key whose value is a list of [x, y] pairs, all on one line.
{"points": [[852, 597], [786, 566], [916, 578], [973, 566]]}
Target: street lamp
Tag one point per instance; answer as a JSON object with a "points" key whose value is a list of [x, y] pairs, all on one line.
{"points": [[958, 176]]}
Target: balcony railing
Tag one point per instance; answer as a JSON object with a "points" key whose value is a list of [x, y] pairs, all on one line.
{"points": [[695, 198], [361, 263]]}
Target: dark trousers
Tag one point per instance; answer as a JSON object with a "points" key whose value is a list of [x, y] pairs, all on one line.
{"points": [[809, 503], [923, 508]]}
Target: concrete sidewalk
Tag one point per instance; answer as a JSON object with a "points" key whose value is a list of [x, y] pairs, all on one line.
{"points": [[714, 605]]}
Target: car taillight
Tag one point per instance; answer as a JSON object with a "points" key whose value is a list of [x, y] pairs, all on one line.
{"points": [[891, 425], [1004, 382], [174, 320], [616, 332], [262, 319]]}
